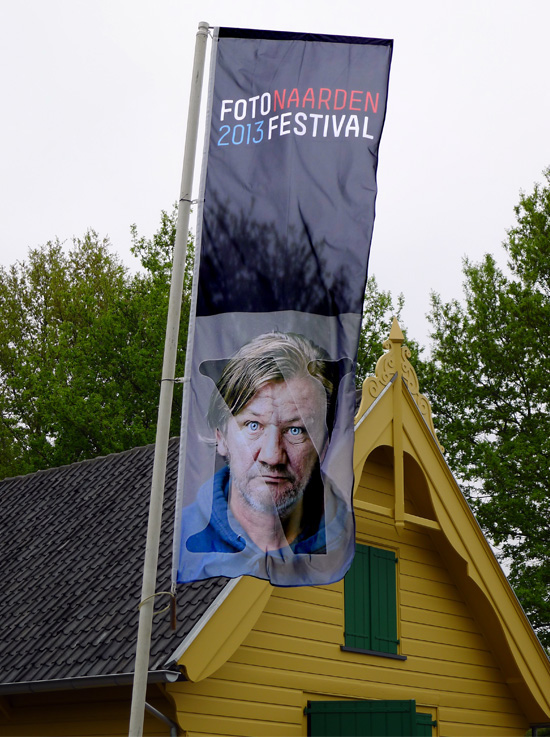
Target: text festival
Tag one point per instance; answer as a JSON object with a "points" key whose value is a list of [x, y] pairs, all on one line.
{"points": [[298, 115]]}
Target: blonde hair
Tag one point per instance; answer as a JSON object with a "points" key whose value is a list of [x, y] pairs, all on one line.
{"points": [[268, 357]]}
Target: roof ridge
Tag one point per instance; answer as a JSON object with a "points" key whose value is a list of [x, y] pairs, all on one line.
{"points": [[85, 460]]}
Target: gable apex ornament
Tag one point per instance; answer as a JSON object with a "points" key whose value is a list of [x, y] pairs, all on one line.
{"points": [[396, 361]]}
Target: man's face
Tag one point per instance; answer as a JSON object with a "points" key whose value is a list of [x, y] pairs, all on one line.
{"points": [[273, 444]]}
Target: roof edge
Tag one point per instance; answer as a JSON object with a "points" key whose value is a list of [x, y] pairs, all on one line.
{"points": [[202, 622], [93, 459], [110, 679], [226, 628]]}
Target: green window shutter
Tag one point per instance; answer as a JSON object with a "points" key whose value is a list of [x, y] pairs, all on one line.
{"points": [[357, 600], [370, 600], [361, 718], [424, 724], [383, 600]]}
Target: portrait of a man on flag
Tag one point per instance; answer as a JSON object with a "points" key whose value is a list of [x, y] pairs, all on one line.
{"points": [[271, 416]]}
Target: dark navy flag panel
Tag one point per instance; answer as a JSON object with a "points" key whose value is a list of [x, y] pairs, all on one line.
{"points": [[297, 36], [291, 179], [285, 224]]}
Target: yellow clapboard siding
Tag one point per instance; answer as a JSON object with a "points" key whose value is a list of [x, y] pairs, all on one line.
{"points": [[200, 734], [72, 729], [424, 661], [42, 726], [216, 687], [295, 628], [445, 605], [312, 595], [449, 653], [434, 618], [435, 589], [363, 689], [240, 708], [304, 610], [468, 663], [377, 484], [475, 730], [377, 477], [375, 497], [381, 532], [80, 713], [463, 680], [467, 715], [423, 571], [427, 678], [381, 499], [417, 546], [370, 527], [281, 642], [441, 594], [384, 536], [69, 719], [363, 669], [468, 676], [215, 726], [442, 636]]}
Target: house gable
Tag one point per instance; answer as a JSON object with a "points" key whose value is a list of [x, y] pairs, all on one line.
{"points": [[468, 657], [293, 655], [420, 472]]}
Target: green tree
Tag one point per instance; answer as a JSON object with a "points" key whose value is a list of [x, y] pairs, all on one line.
{"points": [[489, 383], [81, 348], [81, 343]]}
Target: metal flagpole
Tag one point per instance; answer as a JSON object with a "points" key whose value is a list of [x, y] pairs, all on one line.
{"points": [[166, 392]]}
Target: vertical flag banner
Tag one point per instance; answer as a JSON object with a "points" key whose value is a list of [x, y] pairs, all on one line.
{"points": [[285, 225]]}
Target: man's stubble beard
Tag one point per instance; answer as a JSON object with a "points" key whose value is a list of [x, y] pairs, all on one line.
{"points": [[266, 501]]}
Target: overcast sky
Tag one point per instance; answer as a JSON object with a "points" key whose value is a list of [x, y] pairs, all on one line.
{"points": [[94, 105]]}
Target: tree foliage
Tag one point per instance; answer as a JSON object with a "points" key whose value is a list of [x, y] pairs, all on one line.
{"points": [[81, 347], [81, 350], [490, 388]]}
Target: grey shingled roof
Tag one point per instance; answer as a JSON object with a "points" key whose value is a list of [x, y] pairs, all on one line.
{"points": [[72, 542]]}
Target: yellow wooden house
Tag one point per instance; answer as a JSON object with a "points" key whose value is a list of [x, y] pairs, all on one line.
{"points": [[424, 636]]}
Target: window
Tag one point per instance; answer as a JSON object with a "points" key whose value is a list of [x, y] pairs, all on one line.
{"points": [[370, 601], [367, 719]]}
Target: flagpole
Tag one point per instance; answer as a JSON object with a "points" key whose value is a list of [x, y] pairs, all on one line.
{"points": [[143, 645]]}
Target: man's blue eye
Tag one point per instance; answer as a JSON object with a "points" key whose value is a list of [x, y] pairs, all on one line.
{"points": [[295, 431], [253, 426]]}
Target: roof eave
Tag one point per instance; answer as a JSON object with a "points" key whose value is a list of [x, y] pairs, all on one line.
{"points": [[79, 682]]}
